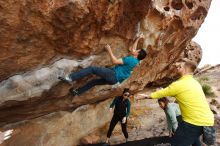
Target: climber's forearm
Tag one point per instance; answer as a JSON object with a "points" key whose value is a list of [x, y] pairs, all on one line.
{"points": [[134, 46], [114, 59]]}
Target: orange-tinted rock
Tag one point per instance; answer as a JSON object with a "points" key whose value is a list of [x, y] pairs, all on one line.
{"points": [[60, 128], [36, 33], [92, 139], [40, 40]]}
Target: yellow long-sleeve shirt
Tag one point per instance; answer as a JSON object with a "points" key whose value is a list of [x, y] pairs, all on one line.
{"points": [[192, 101]]}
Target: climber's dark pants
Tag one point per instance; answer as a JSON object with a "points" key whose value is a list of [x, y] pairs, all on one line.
{"points": [[114, 121], [106, 77], [187, 135], [179, 120]]}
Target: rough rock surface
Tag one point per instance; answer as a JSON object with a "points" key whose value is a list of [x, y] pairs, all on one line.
{"points": [[40, 40], [146, 120], [61, 128]]}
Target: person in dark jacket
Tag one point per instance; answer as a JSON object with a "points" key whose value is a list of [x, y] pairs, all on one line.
{"points": [[121, 112]]}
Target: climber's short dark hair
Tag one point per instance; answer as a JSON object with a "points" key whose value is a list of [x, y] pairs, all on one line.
{"points": [[142, 54], [165, 100], [126, 90]]}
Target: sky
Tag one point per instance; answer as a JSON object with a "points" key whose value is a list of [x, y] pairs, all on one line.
{"points": [[208, 36]]}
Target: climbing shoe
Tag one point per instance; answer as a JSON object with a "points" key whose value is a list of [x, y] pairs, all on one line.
{"points": [[65, 79], [73, 92]]}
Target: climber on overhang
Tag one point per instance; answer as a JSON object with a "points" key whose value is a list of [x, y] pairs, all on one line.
{"points": [[108, 76]]}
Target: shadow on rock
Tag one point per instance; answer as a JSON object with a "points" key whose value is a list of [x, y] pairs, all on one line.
{"points": [[155, 141]]}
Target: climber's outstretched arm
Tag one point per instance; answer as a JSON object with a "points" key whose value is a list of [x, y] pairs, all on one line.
{"points": [[134, 45], [143, 96], [114, 59]]}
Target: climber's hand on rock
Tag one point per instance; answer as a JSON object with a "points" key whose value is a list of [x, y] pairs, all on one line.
{"points": [[124, 120], [111, 110], [108, 47], [141, 36]]}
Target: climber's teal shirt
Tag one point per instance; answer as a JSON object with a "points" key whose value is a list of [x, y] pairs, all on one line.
{"points": [[172, 112], [124, 70]]}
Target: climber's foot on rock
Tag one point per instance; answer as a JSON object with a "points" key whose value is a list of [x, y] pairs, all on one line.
{"points": [[73, 92], [65, 79]]}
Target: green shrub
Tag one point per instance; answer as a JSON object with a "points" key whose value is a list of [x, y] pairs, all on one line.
{"points": [[204, 79], [208, 90]]}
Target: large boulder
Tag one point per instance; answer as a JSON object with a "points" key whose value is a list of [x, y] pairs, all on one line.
{"points": [[40, 40]]}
